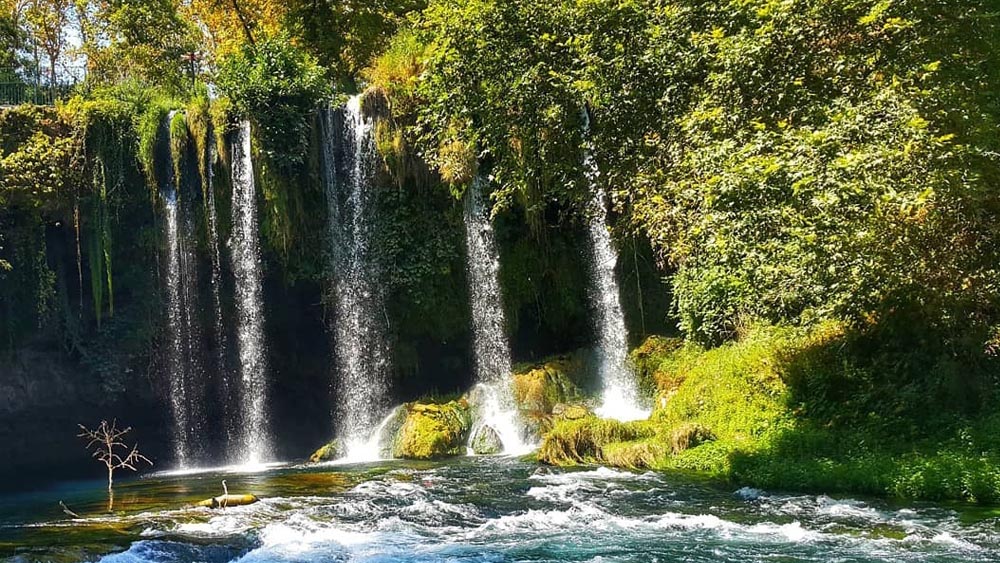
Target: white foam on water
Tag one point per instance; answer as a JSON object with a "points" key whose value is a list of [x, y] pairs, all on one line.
{"points": [[601, 473], [246, 468]]}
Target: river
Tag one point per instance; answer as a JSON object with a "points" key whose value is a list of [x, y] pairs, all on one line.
{"points": [[477, 509]]}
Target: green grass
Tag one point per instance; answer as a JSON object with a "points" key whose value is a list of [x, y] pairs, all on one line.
{"points": [[820, 410]]}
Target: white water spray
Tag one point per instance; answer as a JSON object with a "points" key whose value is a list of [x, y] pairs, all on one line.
{"points": [[497, 409], [620, 393], [359, 315], [254, 441]]}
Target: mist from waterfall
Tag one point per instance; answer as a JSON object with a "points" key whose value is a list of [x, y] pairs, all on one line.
{"points": [[359, 318], [496, 407], [620, 392], [253, 439], [185, 374]]}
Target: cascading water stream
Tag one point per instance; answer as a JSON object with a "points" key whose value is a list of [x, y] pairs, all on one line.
{"points": [[186, 382], [253, 440], [620, 393], [497, 409], [225, 386], [175, 329], [359, 326]]}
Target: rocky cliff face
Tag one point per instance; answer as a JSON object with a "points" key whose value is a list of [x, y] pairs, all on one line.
{"points": [[43, 397]]}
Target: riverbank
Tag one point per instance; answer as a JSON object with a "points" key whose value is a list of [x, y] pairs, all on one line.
{"points": [[820, 410]]}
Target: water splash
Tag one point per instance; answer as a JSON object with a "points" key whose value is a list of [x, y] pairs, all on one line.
{"points": [[359, 316], [253, 442], [378, 444], [620, 394], [497, 409]]}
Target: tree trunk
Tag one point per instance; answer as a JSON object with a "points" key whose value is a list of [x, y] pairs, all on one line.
{"points": [[243, 22]]}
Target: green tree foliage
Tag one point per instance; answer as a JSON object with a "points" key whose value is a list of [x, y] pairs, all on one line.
{"points": [[793, 160], [363, 30], [10, 41], [138, 39], [277, 85]]}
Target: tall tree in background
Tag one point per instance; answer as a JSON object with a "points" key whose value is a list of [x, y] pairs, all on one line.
{"points": [[362, 29], [137, 39], [47, 22], [231, 23]]}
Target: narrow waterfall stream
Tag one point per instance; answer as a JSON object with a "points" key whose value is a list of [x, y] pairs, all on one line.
{"points": [[362, 358], [186, 383], [175, 360], [620, 393], [497, 410], [220, 334], [253, 442]]}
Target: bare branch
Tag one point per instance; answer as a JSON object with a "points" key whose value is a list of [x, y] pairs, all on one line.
{"points": [[108, 445]]}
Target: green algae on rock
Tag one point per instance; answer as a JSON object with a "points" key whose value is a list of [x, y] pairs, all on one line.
{"points": [[433, 431]]}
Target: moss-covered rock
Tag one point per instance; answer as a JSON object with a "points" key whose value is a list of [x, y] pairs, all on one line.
{"points": [[689, 435], [563, 411], [486, 441], [590, 439], [542, 387], [434, 431], [327, 452]]}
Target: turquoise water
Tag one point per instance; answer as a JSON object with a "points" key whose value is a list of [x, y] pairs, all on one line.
{"points": [[477, 510]]}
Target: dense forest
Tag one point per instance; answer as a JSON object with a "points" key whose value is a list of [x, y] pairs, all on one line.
{"points": [[804, 197]]}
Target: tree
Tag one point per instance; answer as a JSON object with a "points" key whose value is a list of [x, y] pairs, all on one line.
{"points": [[10, 40], [108, 446], [147, 40], [47, 21]]}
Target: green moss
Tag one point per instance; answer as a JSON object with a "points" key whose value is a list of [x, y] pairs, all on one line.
{"points": [[327, 452], [147, 127], [434, 431], [179, 142], [540, 388], [790, 409], [584, 440]]}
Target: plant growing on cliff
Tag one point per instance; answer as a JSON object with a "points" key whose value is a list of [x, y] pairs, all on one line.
{"points": [[108, 445], [278, 85]]}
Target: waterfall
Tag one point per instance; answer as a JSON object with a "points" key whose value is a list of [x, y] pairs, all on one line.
{"points": [[497, 409], [225, 387], [359, 317], [620, 393], [186, 383], [253, 441]]}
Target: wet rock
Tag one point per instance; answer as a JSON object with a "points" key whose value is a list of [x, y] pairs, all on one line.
{"points": [[327, 452], [433, 431], [486, 441]]}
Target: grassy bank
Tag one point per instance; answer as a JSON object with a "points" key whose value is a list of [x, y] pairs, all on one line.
{"points": [[822, 410]]}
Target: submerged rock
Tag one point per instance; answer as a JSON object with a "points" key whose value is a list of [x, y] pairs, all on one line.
{"points": [[433, 431], [327, 452], [486, 441]]}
